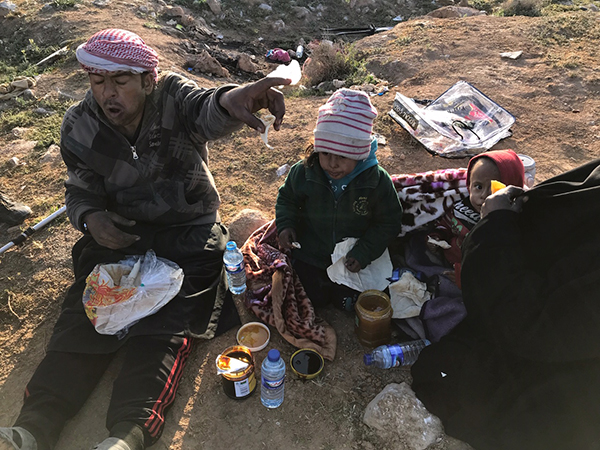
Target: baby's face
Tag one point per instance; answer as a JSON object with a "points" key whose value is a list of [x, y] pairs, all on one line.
{"points": [[480, 181], [337, 167]]}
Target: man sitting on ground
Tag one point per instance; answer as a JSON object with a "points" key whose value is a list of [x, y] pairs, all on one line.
{"points": [[135, 150]]}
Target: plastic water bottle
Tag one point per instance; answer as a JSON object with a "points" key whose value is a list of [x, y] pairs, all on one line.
{"points": [[272, 375], [234, 266], [387, 356]]}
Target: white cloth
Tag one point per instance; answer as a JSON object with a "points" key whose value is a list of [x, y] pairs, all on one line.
{"points": [[407, 296], [374, 276], [104, 64]]}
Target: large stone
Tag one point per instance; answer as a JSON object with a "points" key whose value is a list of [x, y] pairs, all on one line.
{"points": [[401, 419], [244, 223], [205, 63], [246, 64]]}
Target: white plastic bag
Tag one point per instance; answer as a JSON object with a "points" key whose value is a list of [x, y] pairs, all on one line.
{"points": [[461, 122], [118, 295]]}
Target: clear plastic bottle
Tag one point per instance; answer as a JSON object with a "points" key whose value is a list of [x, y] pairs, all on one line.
{"points": [[387, 356], [234, 266], [272, 375]]}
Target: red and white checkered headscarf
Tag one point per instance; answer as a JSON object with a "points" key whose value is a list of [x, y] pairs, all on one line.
{"points": [[115, 50], [345, 124]]}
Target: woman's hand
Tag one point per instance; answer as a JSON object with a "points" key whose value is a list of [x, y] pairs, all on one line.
{"points": [[510, 197]]}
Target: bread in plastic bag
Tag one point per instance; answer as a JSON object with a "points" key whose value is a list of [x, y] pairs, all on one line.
{"points": [[118, 295]]}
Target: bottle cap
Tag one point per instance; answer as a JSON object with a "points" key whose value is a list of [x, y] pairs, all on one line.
{"points": [[368, 359], [273, 355], [231, 245]]}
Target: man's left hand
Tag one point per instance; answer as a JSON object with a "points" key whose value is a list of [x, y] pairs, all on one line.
{"points": [[243, 101]]}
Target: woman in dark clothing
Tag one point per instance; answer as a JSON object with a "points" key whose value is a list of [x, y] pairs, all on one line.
{"points": [[522, 371]]}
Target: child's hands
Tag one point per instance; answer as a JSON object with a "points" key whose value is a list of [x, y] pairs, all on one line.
{"points": [[286, 239], [451, 275], [352, 264]]}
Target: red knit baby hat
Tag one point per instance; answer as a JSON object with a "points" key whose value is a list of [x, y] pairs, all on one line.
{"points": [[509, 164]]}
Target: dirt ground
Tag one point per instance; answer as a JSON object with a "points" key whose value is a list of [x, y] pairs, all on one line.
{"points": [[552, 90]]}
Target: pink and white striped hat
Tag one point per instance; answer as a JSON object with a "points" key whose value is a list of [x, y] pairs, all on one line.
{"points": [[345, 124], [114, 50]]}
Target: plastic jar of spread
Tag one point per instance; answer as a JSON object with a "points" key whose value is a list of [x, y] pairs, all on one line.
{"points": [[373, 324]]}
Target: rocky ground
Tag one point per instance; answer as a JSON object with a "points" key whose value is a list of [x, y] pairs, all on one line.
{"points": [[552, 90]]}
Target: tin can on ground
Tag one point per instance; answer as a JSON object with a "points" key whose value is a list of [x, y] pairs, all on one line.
{"points": [[373, 325], [241, 383], [529, 166]]}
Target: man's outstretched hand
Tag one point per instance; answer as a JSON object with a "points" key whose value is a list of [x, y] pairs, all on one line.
{"points": [[243, 101], [101, 225]]}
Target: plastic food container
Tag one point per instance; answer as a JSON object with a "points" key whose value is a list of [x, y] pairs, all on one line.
{"points": [[254, 335], [373, 318]]}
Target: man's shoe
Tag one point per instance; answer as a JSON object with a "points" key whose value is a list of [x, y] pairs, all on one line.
{"points": [[112, 443], [16, 438], [12, 213]]}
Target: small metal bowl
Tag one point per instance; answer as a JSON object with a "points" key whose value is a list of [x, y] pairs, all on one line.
{"points": [[254, 335], [307, 363]]}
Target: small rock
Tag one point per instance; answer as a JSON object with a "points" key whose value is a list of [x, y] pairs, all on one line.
{"points": [[52, 154], [246, 64], [278, 25], [44, 112], [48, 7], [6, 8], [265, 7], [28, 94], [19, 132], [214, 5], [301, 12], [188, 20], [65, 97], [144, 9], [13, 162], [338, 83], [174, 11], [101, 3], [511, 55]]}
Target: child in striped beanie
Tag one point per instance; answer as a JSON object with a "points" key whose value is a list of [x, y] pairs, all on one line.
{"points": [[339, 191]]}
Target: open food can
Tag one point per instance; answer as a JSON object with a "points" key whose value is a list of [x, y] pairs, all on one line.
{"points": [[236, 367]]}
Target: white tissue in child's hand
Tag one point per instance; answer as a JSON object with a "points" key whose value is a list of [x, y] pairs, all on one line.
{"points": [[267, 120], [292, 71]]}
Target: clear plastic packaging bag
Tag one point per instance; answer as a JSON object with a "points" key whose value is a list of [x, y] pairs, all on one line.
{"points": [[118, 295], [459, 123]]}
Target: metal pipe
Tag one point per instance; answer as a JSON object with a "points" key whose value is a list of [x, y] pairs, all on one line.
{"points": [[30, 230]]}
